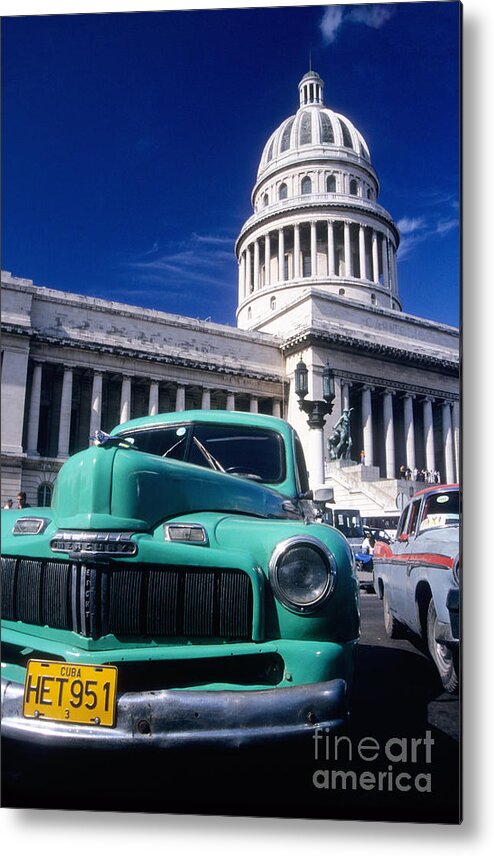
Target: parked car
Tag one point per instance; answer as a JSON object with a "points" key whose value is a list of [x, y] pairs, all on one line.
{"points": [[177, 592], [418, 576]]}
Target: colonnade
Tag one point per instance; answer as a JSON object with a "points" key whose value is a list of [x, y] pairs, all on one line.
{"points": [[395, 401], [125, 403], [318, 248]]}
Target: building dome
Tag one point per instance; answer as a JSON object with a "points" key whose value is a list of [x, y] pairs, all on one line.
{"points": [[314, 129], [316, 220]]}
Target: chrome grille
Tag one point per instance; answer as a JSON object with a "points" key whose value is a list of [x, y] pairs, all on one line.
{"points": [[128, 600]]}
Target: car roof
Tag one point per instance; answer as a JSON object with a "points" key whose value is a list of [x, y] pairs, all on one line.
{"points": [[223, 417], [435, 488]]}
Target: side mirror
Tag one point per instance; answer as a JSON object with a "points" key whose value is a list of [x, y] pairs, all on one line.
{"points": [[324, 494]]}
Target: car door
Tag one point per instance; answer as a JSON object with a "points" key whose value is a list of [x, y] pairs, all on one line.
{"points": [[404, 556]]}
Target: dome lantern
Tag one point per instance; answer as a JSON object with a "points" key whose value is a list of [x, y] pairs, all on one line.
{"points": [[311, 89]]}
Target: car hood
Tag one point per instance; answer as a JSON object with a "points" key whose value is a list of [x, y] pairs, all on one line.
{"points": [[109, 487]]}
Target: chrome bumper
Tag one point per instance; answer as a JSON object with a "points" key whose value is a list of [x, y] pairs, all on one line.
{"points": [[169, 719]]}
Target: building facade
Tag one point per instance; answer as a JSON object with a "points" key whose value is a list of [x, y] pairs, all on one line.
{"points": [[317, 280]]}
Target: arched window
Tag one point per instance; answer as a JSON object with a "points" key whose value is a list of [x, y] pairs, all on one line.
{"points": [[249, 313], [370, 194], [373, 298], [365, 153], [347, 137], [45, 492], [283, 191], [272, 303], [331, 184], [305, 129], [265, 200], [353, 187], [285, 139], [270, 152], [341, 291], [306, 185], [327, 133]]}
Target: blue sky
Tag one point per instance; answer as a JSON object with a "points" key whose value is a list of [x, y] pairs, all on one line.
{"points": [[131, 142]]}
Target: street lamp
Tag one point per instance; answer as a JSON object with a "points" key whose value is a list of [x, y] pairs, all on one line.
{"points": [[316, 410]]}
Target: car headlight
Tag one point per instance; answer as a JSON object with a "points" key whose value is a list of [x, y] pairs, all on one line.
{"points": [[302, 573]]}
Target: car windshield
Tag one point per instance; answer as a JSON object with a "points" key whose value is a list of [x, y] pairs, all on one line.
{"points": [[250, 452], [441, 509], [349, 524]]}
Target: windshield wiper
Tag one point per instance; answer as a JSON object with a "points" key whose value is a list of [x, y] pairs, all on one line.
{"points": [[165, 454], [213, 463]]}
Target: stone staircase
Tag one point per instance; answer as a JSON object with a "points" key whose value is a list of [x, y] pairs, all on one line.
{"points": [[362, 488]]}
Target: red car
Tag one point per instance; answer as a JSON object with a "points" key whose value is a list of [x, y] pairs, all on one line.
{"points": [[417, 576]]}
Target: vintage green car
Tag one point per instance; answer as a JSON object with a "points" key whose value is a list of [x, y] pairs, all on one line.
{"points": [[178, 591]]}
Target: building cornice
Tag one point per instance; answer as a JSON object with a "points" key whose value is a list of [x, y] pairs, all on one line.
{"points": [[224, 368], [346, 342]]}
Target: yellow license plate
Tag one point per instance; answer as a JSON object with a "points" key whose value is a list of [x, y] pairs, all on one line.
{"points": [[70, 692]]}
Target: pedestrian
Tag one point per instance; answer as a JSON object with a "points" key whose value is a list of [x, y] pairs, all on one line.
{"points": [[437, 477], [9, 504], [402, 471], [368, 544], [362, 458], [415, 474], [408, 473], [22, 501]]}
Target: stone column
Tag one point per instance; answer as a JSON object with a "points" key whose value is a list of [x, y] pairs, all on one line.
{"points": [[154, 398], [456, 438], [241, 278], [449, 462], [281, 255], [96, 394], [375, 258], [230, 401], [206, 399], [345, 396], [367, 425], [267, 260], [256, 265], [14, 376], [409, 430], [180, 398], [313, 249], [316, 457], [125, 399], [296, 251], [330, 248], [385, 262], [65, 413], [430, 461], [34, 405], [361, 252], [248, 272], [348, 249], [389, 434], [253, 404], [276, 408]]}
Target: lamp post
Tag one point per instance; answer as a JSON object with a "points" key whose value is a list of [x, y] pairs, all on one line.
{"points": [[316, 412]]}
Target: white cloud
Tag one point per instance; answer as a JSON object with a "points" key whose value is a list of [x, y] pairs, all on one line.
{"points": [[445, 226], [331, 22], [372, 16], [375, 16], [410, 224]]}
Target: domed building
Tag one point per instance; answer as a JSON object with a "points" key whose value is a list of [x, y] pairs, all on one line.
{"points": [[316, 217], [317, 287]]}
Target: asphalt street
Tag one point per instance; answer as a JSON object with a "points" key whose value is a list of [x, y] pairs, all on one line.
{"points": [[398, 759]]}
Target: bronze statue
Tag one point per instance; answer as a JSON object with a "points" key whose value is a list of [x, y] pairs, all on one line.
{"points": [[340, 441]]}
